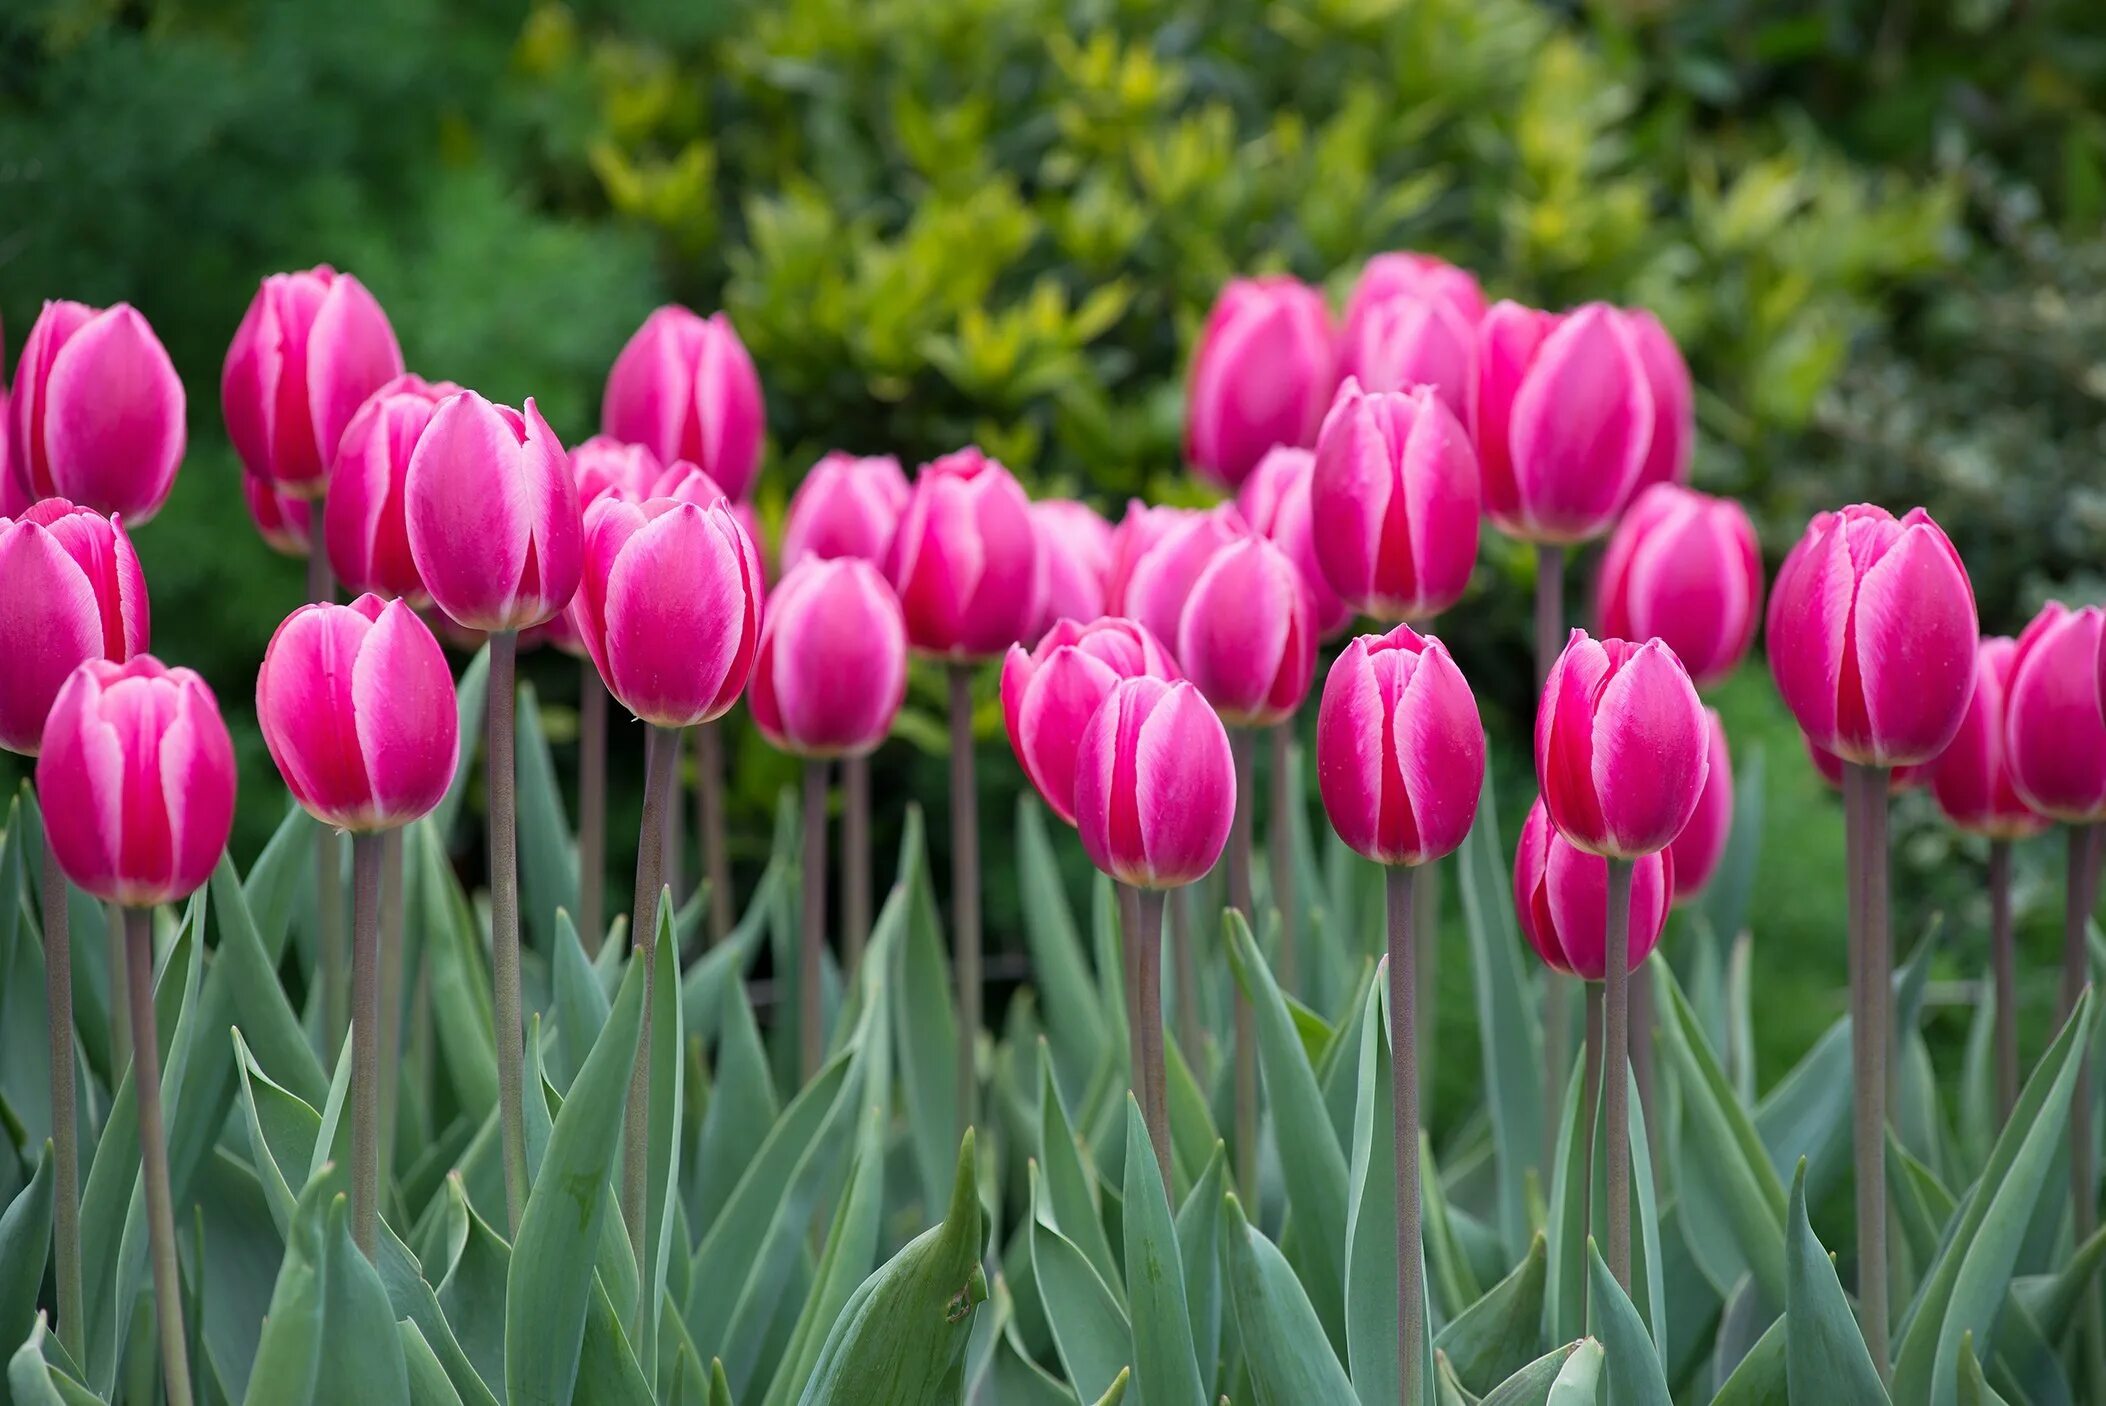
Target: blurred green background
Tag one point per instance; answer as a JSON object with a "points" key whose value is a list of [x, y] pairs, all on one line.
{"points": [[1874, 226]]}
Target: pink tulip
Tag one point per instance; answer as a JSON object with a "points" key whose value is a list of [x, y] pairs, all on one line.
{"points": [[1247, 637], [1261, 376], [1144, 525], [70, 591], [1395, 488], [685, 387], [1972, 777], [285, 524], [1155, 784], [1415, 275], [1562, 412], [1275, 501], [493, 515], [1622, 746], [965, 559], [1702, 843], [1830, 766], [1074, 555], [601, 466], [2053, 736], [1400, 750], [1684, 567], [1161, 578], [1050, 694], [669, 607], [1407, 340], [365, 522], [1561, 895], [846, 507], [832, 669], [1872, 636], [137, 781], [1674, 402], [96, 414], [310, 349], [357, 708]]}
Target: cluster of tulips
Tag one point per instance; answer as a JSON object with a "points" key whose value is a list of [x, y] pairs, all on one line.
{"points": [[1143, 661]]}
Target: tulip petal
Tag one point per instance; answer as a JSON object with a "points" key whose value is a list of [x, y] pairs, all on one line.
{"points": [[1582, 423], [1649, 758], [1915, 633], [403, 705], [675, 607], [50, 622], [470, 513], [113, 425], [306, 706], [351, 352]]}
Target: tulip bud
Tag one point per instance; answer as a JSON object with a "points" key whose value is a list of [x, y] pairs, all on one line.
{"points": [[1674, 402], [70, 591], [493, 514], [310, 349], [1261, 376], [357, 708], [1414, 275], [1162, 576], [1971, 778], [97, 413], [285, 524], [1561, 896], [1395, 487], [1702, 843], [364, 521], [1275, 501], [846, 507], [689, 484], [601, 466], [1247, 638], [965, 559], [1144, 525], [1622, 746], [1400, 750], [1074, 554], [1050, 694], [832, 669], [2055, 739], [669, 607], [1562, 412], [137, 781], [1155, 784], [685, 387], [1872, 636], [1684, 567], [1407, 340]]}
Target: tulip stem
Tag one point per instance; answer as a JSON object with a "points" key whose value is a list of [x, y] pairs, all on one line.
{"points": [[1130, 968], [965, 888], [1279, 848], [1557, 1017], [367, 852], [1550, 608], [1189, 1039], [1239, 884], [675, 836], [1404, 1094], [2003, 962], [390, 991], [120, 1020], [1642, 1051], [153, 1149], [1595, 994], [1155, 1103], [2083, 893], [661, 792], [716, 858], [810, 1018], [328, 874], [855, 858], [1616, 1069], [1865, 813], [65, 1137], [499, 782], [1425, 977], [592, 805]]}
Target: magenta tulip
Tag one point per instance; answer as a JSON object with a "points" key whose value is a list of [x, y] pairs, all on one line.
{"points": [[285, 524], [1702, 843], [1407, 340], [70, 591], [137, 780], [1415, 275], [1395, 487], [1050, 693], [1622, 746], [1684, 567], [365, 521], [96, 414], [1247, 637], [1872, 635], [1074, 554], [1261, 376], [669, 607], [1155, 785], [2055, 741], [1830, 766], [310, 349], [965, 559], [493, 515], [1562, 412], [357, 708], [1971, 778], [602, 465], [1161, 578], [1140, 529], [832, 669], [1400, 750], [1561, 896], [685, 387], [1674, 402], [1275, 501], [846, 507]]}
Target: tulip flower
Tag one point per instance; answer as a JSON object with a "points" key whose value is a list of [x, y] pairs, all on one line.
{"points": [[1395, 486], [1410, 339], [1261, 376], [847, 506], [1275, 501], [1074, 554], [1674, 402], [1161, 576], [1418, 275], [1135, 534], [1684, 567], [603, 465], [1246, 636], [1702, 843], [286, 525], [310, 349], [685, 388], [97, 413], [1050, 693], [1561, 896], [690, 484], [365, 521]]}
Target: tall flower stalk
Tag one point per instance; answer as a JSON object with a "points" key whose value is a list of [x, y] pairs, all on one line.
{"points": [[592, 806], [500, 782], [709, 820], [1246, 1024], [661, 789], [965, 889], [65, 1135]]}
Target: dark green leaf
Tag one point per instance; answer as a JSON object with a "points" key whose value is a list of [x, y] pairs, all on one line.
{"points": [[1164, 1359], [1286, 1349], [1825, 1355]]}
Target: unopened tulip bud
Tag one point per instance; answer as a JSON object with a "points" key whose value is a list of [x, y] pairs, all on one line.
{"points": [[1155, 784], [1074, 553], [602, 465], [1561, 896], [1261, 376], [1622, 746], [1702, 843], [1407, 340], [1971, 778], [1162, 577], [965, 559], [97, 413], [846, 507], [1684, 567], [1674, 403], [1275, 501], [1137, 532], [286, 525], [685, 387], [832, 669], [2055, 739], [1247, 637], [1406, 273], [365, 522], [1050, 693], [70, 591]]}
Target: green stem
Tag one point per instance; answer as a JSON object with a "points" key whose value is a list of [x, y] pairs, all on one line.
{"points": [[1616, 1069], [1239, 885], [1279, 849], [661, 792], [811, 1035], [855, 858], [153, 1149], [2082, 895], [120, 1019], [2003, 962], [965, 888], [367, 851], [391, 934], [1190, 1042], [1136, 1038], [500, 783], [65, 1136], [1404, 1093], [1865, 802], [1155, 1105], [716, 855], [329, 876], [592, 805]]}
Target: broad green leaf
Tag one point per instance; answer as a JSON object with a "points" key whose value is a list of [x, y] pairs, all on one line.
{"points": [[1371, 1221], [1503, 1331], [851, 1246], [428, 1383], [269, 1026], [330, 1333], [1972, 1389], [35, 1380], [1199, 1247], [25, 1246], [1165, 1361], [1579, 1380], [1760, 1377], [283, 1130], [2053, 1298], [1648, 1292], [1192, 1133], [1448, 1389], [1565, 1307], [1635, 1378], [1919, 1203], [742, 1108], [1090, 1331], [926, 1020], [581, 1004], [460, 986], [1071, 1188], [1286, 1349], [1059, 968], [1731, 891], [1509, 1042], [470, 694], [1447, 1269], [472, 1289], [1979, 1113], [1825, 1355], [548, 853], [1531, 1385], [665, 1051]]}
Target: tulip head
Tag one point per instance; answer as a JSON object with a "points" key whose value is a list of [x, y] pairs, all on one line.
{"points": [[1622, 746], [1400, 750], [1407, 340], [1050, 693], [1685, 567], [1674, 402], [1074, 556], [1424, 276], [357, 708], [1162, 575], [310, 349], [285, 524], [1155, 784], [601, 466], [137, 781], [1144, 525], [1561, 896], [70, 591], [1702, 843], [1247, 637], [2055, 740], [1261, 376], [685, 388], [1971, 778], [847, 506], [97, 413], [1275, 501], [965, 559], [832, 669], [365, 521], [1872, 636], [1395, 487]]}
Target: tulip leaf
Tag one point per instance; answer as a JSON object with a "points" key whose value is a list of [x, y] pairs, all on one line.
{"points": [[1565, 1308], [1074, 1023], [1090, 1330], [581, 1003], [36, 1380], [1760, 1377], [1286, 1350], [548, 853], [25, 1244], [1071, 1189], [471, 692], [428, 1383], [1635, 1376], [460, 987], [1825, 1354], [667, 1102], [851, 1247], [1502, 1332], [1530, 1386], [742, 1108], [1165, 1362], [1648, 1290], [1199, 1247], [925, 1018], [330, 1333], [1579, 1381], [1973, 1389]]}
